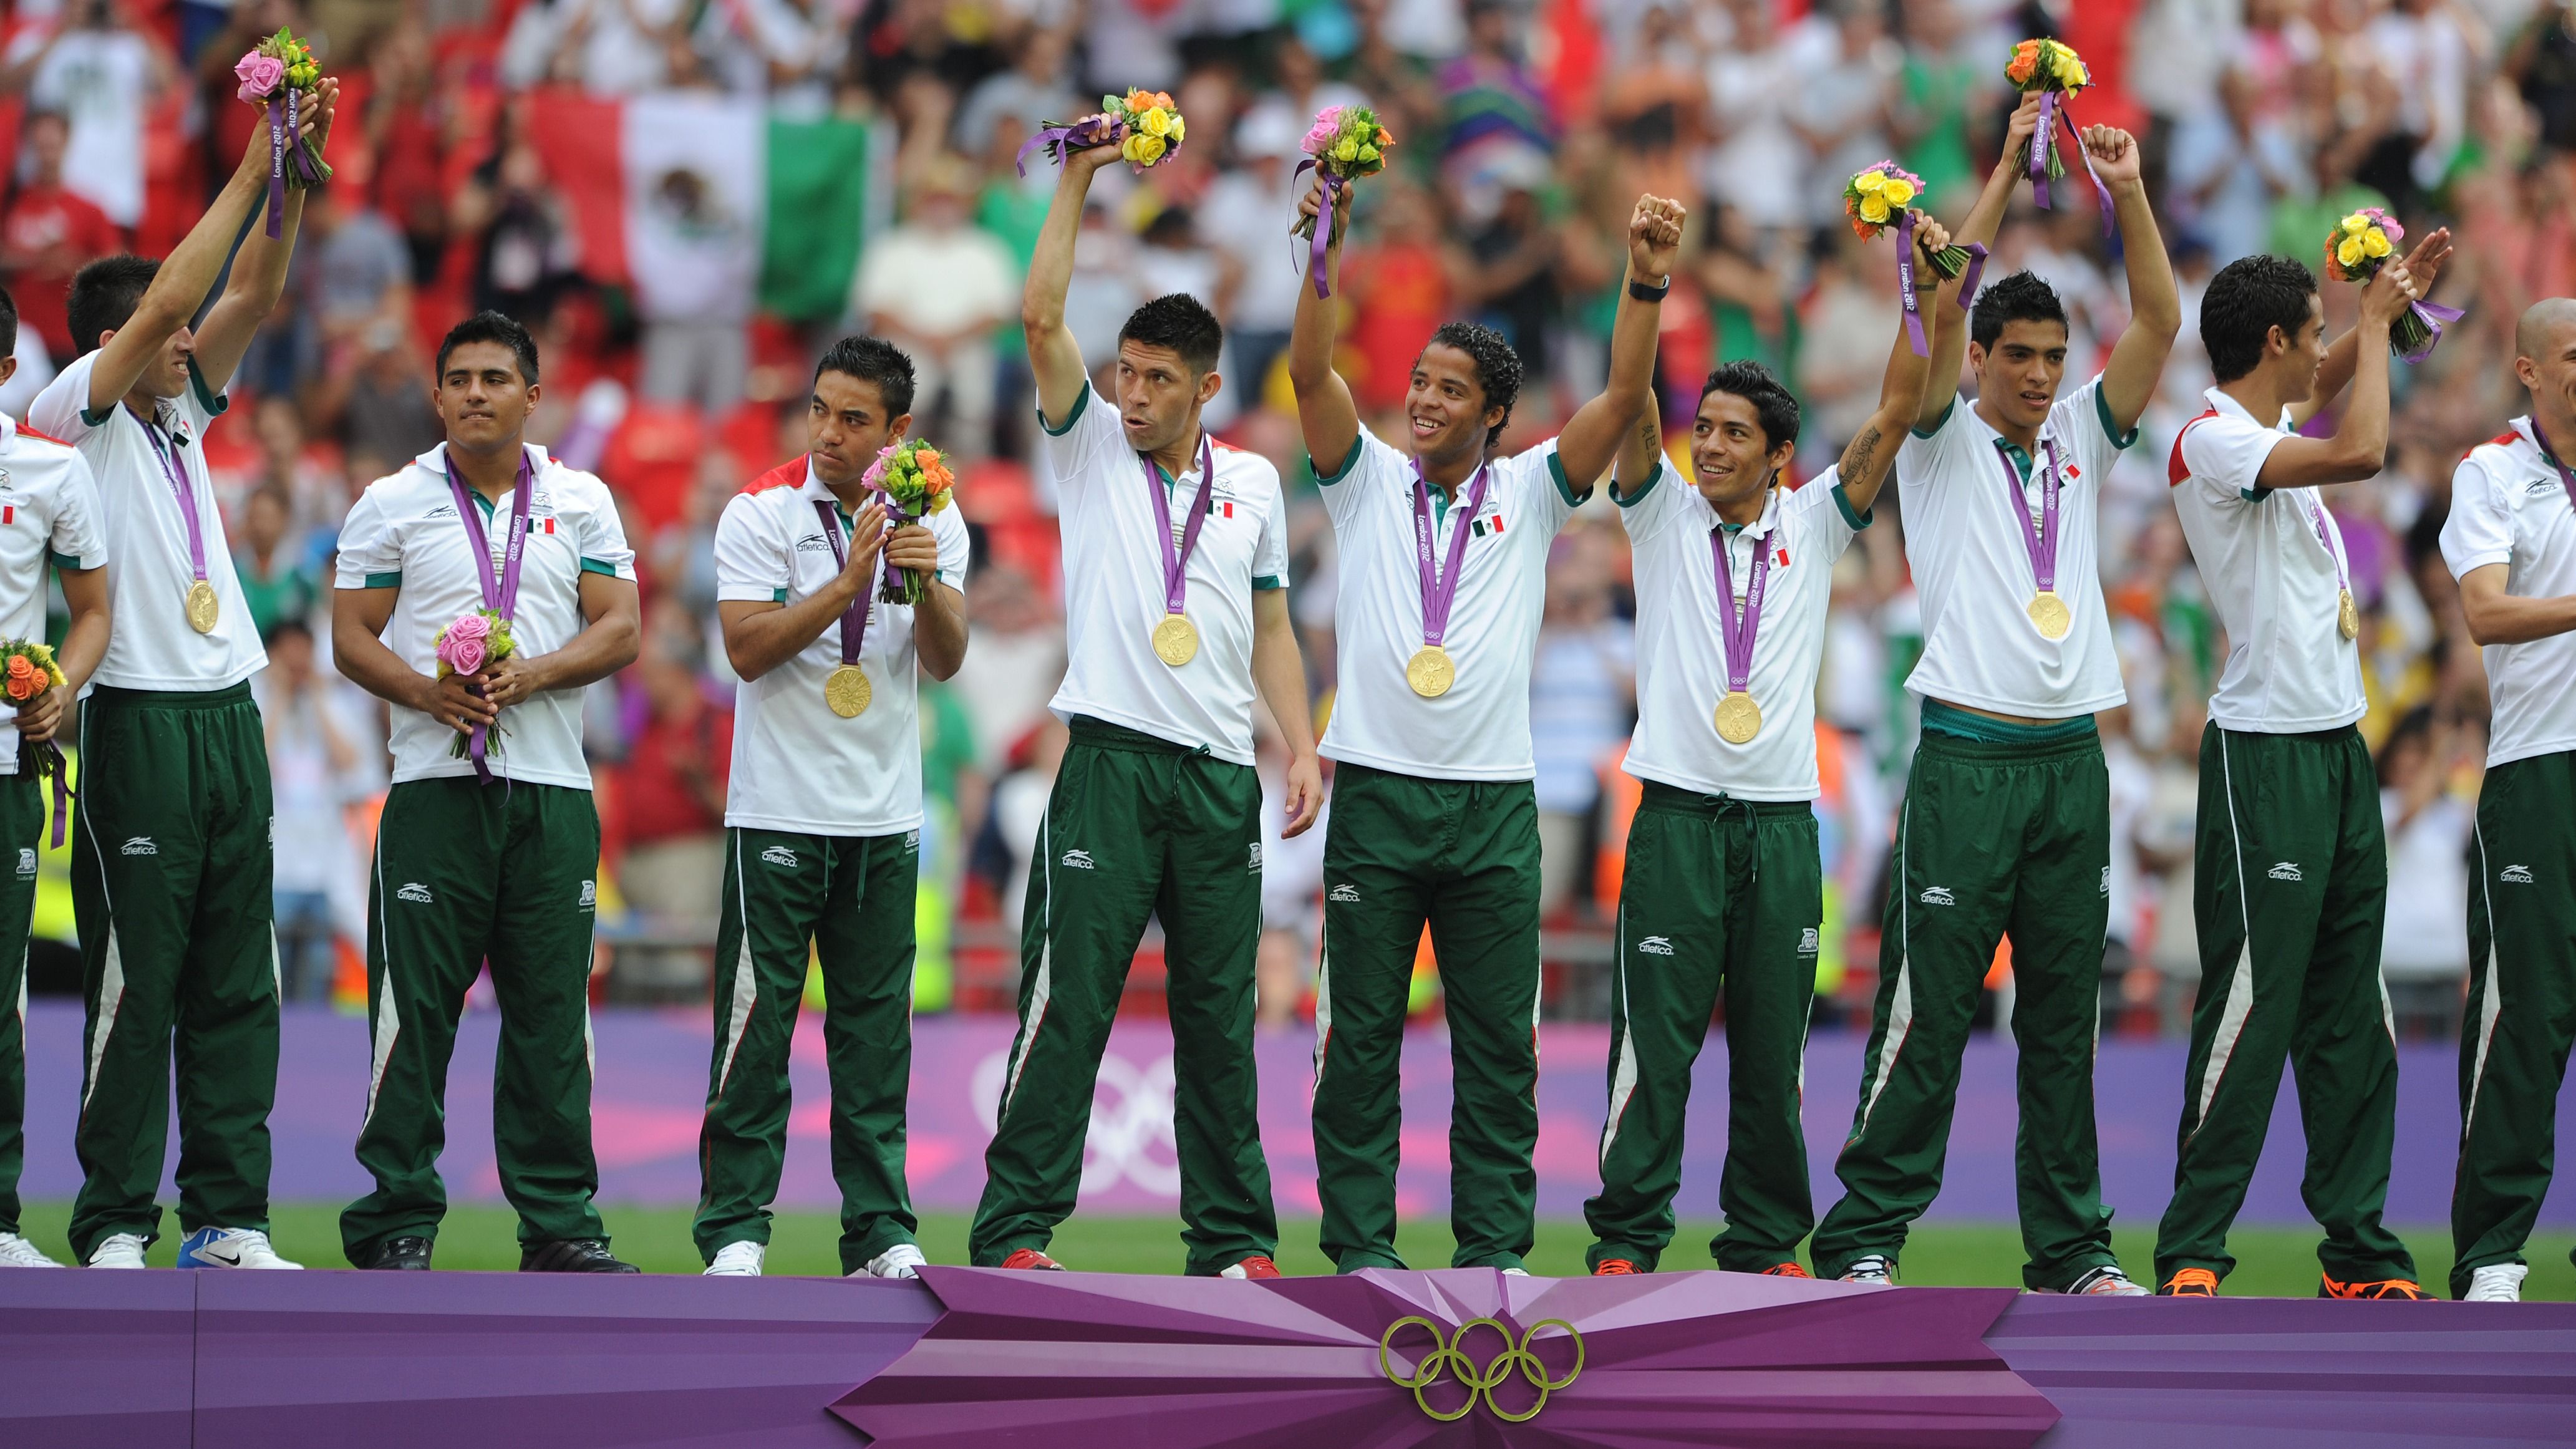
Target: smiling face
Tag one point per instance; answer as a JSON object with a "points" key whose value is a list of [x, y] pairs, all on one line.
{"points": [[1732, 459], [846, 426], [2019, 376], [2303, 353], [1158, 396], [482, 398], [1445, 408]]}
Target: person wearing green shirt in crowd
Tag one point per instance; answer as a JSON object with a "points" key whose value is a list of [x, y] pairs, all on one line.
{"points": [[275, 586]]}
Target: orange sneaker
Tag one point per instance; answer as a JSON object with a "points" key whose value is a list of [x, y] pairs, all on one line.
{"points": [[1256, 1266], [2190, 1283], [1615, 1268], [2384, 1288], [1786, 1270], [1027, 1258]]}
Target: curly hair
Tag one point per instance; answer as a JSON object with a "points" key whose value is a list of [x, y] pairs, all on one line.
{"points": [[2247, 299], [2021, 297], [1498, 367]]}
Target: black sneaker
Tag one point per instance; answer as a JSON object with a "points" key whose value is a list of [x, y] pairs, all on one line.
{"points": [[400, 1254], [572, 1255]]}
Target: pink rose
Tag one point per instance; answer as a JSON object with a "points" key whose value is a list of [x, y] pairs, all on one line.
{"points": [[1328, 124], [875, 476], [465, 656], [259, 75], [470, 626]]}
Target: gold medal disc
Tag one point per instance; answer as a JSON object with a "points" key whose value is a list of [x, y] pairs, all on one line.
{"points": [[848, 692], [1739, 719], [203, 607], [2348, 617], [1176, 640], [1430, 672], [2049, 616]]}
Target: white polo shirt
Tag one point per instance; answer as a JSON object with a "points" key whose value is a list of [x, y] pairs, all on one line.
{"points": [[48, 514], [1113, 582], [403, 533], [796, 765], [2509, 507], [1681, 634], [1480, 729], [2275, 582], [1972, 568], [149, 574]]}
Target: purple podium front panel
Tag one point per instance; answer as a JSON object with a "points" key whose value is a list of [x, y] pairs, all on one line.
{"points": [[96, 1360]]}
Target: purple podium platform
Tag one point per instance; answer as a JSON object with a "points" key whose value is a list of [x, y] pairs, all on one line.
{"points": [[1089, 1361]]}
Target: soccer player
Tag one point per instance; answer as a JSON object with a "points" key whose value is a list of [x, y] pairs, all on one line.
{"points": [[171, 861], [488, 843], [823, 817], [2511, 540], [48, 514], [2006, 823], [1176, 612], [1443, 567], [1724, 880], [2290, 869]]}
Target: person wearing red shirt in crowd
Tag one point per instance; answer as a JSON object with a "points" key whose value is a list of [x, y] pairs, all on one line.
{"points": [[47, 234], [672, 787]]}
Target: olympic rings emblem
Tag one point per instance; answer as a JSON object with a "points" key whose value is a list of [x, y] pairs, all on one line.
{"points": [[1449, 1355]]}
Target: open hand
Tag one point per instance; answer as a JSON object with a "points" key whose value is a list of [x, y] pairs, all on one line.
{"points": [[2424, 263], [1655, 238], [1305, 796], [867, 537]]}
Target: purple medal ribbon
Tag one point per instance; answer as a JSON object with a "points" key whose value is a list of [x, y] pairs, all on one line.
{"points": [[1975, 273], [2433, 315], [2566, 479], [1440, 586], [1734, 631], [2317, 521], [176, 470], [1315, 268], [2043, 539], [2052, 114], [277, 162], [1081, 135], [500, 597], [1176, 560], [854, 619]]}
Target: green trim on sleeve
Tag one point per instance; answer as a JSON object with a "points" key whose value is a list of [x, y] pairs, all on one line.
{"points": [[776, 596], [1631, 500], [1926, 430], [215, 404], [2102, 410], [1342, 472], [1263, 583], [69, 564], [594, 566], [1564, 486], [385, 581], [1081, 400], [97, 417], [1842, 500]]}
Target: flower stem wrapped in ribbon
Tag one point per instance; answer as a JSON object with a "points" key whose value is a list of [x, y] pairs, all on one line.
{"points": [[2057, 73], [2359, 246], [1345, 144], [474, 642], [1146, 125], [916, 483], [27, 670], [1883, 197], [275, 74]]}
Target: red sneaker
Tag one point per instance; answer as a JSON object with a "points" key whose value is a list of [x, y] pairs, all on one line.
{"points": [[1256, 1266], [1786, 1270], [1615, 1268], [1027, 1258], [2384, 1288]]}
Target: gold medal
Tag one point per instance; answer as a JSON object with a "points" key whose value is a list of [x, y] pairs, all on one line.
{"points": [[848, 692], [1176, 640], [2348, 617], [1430, 672], [1739, 719], [203, 607], [2048, 615]]}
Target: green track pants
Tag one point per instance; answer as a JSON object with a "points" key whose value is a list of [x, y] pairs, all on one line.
{"points": [[1995, 839], [171, 887], [1137, 828], [851, 898], [2522, 1008], [2289, 897], [22, 828], [1461, 856], [467, 873], [1722, 899]]}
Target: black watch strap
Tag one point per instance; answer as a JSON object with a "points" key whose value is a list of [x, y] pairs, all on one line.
{"points": [[1644, 293]]}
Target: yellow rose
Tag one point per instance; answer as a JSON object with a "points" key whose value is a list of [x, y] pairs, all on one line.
{"points": [[1870, 181], [1133, 148], [2348, 251], [2374, 243], [1898, 192], [1150, 149], [2072, 74], [1874, 209], [1157, 121], [1179, 129], [1346, 150], [2355, 224]]}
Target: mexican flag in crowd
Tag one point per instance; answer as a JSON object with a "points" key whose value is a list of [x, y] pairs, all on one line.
{"points": [[705, 204]]}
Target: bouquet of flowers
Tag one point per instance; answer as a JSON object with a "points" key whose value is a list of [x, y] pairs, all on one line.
{"points": [[474, 642], [1145, 124], [1883, 197], [916, 483], [1345, 144], [275, 74], [2057, 73], [2358, 247], [28, 671]]}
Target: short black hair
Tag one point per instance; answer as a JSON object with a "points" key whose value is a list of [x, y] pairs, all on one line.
{"points": [[1182, 323], [104, 295], [2021, 297], [1498, 367], [2247, 299], [1758, 385], [874, 361], [491, 326], [8, 324]]}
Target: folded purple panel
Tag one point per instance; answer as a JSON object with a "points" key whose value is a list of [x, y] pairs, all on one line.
{"points": [[96, 1360]]}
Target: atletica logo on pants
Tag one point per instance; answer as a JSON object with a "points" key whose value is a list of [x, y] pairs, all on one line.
{"points": [[2511, 874], [2284, 870], [414, 892], [1344, 893], [780, 855], [1078, 859], [1656, 946], [1937, 896], [141, 845]]}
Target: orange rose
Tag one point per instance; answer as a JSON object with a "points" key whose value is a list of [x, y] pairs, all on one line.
{"points": [[2025, 62], [25, 680]]}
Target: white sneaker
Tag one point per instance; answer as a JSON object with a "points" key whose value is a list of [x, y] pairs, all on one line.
{"points": [[230, 1248], [1872, 1269], [2497, 1283], [738, 1260], [2107, 1281], [119, 1250], [1516, 1272], [17, 1252], [903, 1260]]}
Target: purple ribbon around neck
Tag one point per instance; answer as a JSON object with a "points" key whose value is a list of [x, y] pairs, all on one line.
{"points": [[1176, 558], [2317, 521], [2052, 115], [175, 468], [1079, 135], [2566, 479], [854, 619], [1736, 631], [1316, 271], [2434, 316], [1440, 585], [2043, 539], [501, 596]]}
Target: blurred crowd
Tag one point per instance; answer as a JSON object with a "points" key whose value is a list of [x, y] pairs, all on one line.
{"points": [[1525, 130]]}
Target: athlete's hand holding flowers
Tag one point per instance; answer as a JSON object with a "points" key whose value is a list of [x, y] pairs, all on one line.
{"points": [[916, 483], [471, 651], [2362, 248], [281, 76], [1141, 128]]}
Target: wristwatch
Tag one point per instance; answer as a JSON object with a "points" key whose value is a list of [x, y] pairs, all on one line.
{"points": [[1644, 293]]}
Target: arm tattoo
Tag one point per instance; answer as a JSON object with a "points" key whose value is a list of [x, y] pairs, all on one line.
{"points": [[1857, 457]]}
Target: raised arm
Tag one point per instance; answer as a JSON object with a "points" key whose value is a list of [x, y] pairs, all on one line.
{"points": [[1055, 357], [1641, 452], [1870, 457], [1950, 345], [1325, 412], [2359, 447], [1593, 435], [259, 270], [2155, 305], [2335, 373]]}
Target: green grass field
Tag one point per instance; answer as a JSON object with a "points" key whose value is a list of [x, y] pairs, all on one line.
{"points": [[2271, 1261]]}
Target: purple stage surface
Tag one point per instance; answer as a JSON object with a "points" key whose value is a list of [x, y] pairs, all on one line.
{"points": [[977, 1357], [652, 1089]]}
